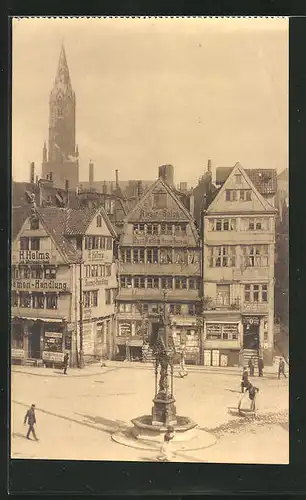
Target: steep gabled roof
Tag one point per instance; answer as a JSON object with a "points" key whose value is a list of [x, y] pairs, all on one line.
{"points": [[54, 221], [77, 221], [263, 203], [19, 216], [174, 197], [264, 179]]}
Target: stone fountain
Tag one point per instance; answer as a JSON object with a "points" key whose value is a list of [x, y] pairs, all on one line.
{"points": [[149, 430]]}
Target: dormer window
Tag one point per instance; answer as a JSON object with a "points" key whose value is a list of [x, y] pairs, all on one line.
{"points": [[99, 221], [34, 224]]}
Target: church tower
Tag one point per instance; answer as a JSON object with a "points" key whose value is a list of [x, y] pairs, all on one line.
{"points": [[60, 161]]}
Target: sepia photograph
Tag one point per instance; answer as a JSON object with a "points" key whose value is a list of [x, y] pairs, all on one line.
{"points": [[150, 240]]}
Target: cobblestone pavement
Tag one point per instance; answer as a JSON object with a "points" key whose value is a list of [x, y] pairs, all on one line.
{"points": [[76, 414]]}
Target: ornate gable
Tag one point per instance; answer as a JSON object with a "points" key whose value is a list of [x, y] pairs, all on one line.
{"points": [[239, 195], [158, 204]]}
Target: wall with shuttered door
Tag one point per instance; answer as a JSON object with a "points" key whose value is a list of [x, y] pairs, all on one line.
{"points": [[215, 358], [207, 357]]}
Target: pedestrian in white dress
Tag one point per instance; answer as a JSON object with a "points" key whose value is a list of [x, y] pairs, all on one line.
{"points": [[166, 452]]}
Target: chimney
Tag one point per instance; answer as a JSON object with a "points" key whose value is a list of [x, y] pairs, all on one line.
{"points": [[91, 173], [139, 189], [166, 173], [36, 180], [191, 204], [50, 176], [32, 172], [45, 153], [209, 166], [117, 179], [104, 188], [66, 185], [183, 187]]}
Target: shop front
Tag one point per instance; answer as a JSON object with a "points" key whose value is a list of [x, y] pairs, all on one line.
{"points": [[186, 333], [251, 332], [37, 341], [129, 340], [222, 340]]}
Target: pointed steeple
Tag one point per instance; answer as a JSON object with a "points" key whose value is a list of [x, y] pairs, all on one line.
{"points": [[62, 78]]}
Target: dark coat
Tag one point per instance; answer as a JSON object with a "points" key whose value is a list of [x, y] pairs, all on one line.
{"points": [[245, 378], [30, 416], [66, 357], [281, 367], [260, 363]]}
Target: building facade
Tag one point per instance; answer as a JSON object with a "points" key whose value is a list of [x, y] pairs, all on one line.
{"points": [[62, 276], [238, 271], [60, 159], [158, 260]]}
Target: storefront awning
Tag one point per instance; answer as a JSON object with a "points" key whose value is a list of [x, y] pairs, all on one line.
{"points": [[48, 320]]}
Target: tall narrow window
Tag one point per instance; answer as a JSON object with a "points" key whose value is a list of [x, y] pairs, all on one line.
{"points": [[35, 243], [24, 243]]}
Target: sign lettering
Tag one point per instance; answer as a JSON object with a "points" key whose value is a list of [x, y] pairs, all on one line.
{"points": [[17, 353], [39, 285], [161, 214], [251, 320], [58, 335], [53, 356], [95, 282], [30, 255], [87, 313]]}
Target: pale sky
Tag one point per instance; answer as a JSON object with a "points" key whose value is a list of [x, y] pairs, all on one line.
{"points": [[155, 91]]}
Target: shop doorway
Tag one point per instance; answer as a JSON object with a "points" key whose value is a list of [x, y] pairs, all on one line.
{"points": [[251, 336], [34, 341]]}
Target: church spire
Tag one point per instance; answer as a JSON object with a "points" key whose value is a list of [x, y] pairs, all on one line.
{"points": [[62, 77]]}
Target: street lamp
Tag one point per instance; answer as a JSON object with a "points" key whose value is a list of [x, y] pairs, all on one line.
{"points": [[81, 353], [164, 410]]}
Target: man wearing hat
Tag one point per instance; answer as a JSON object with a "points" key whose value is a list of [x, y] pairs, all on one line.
{"points": [[30, 417]]}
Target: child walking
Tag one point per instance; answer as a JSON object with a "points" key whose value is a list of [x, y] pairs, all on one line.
{"points": [[166, 453]]}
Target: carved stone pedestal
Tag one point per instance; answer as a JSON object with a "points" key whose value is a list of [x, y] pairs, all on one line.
{"points": [[164, 412]]}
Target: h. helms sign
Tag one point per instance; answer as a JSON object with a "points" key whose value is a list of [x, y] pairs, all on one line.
{"points": [[34, 256]]}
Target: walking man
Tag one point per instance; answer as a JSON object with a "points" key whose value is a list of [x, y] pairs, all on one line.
{"points": [[30, 417], [260, 367], [251, 366], [281, 368], [66, 358]]}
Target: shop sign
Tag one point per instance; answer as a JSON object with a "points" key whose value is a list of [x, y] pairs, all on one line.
{"points": [[124, 329], [157, 240], [58, 335], [34, 256], [53, 356], [251, 320], [161, 214], [40, 285], [95, 255], [17, 353], [87, 313], [95, 282]]}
